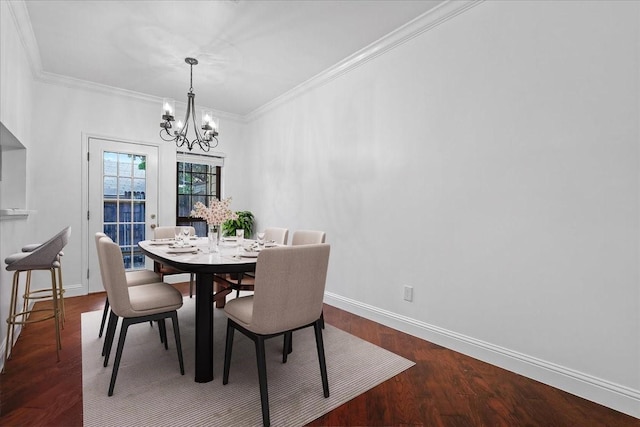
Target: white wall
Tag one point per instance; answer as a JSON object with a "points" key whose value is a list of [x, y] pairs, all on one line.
{"points": [[492, 164], [16, 92]]}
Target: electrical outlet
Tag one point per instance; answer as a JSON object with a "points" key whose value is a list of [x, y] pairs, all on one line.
{"points": [[408, 293]]}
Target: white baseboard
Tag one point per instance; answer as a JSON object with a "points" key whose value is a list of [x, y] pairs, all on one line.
{"points": [[614, 396]]}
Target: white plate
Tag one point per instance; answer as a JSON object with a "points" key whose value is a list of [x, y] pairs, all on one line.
{"points": [[228, 239], [250, 254], [270, 245]]}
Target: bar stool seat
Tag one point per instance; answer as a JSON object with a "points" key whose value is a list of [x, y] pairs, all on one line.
{"points": [[44, 257], [43, 293]]}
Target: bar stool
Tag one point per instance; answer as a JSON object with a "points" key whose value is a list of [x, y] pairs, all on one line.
{"points": [[38, 294], [45, 257]]}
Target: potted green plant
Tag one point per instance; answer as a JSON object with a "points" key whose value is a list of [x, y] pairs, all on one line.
{"points": [[244, 221]]}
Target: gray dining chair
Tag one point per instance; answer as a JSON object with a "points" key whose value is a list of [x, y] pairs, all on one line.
{"points": [[134, 304], [277, 235], [44, 257], [307, 237], [134, 278], [169, 232], [290, 283]]}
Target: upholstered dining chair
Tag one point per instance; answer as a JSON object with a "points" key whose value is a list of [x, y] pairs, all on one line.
{"points": [[290, 283], [134, 304], [307, 237], [277, 235], [134, 278], [44, 257], [169, 232], [304, 237]]}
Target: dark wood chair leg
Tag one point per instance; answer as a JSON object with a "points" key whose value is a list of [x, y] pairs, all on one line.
{"points": [[116, 363], [176, 333], [288, 336], [162, 327], [262, 379], [227, 352], [108, 339], [317, 327], [104, 316]]}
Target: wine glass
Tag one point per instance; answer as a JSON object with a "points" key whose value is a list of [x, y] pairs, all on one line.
{"points": [[261, 238], [185, 233]]}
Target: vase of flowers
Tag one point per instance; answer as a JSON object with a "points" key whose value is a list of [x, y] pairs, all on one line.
{"points": [[215, 214]]}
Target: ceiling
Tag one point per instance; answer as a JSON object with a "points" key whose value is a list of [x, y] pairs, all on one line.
{"points": [[249, 52]]}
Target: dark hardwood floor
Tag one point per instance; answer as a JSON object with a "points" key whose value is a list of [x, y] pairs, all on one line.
{"points": [[444, 388]]}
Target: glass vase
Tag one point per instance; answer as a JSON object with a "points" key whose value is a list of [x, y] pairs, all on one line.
{"points": [[214, 237]]}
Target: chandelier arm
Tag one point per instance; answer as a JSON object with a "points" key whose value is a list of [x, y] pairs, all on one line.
{"points": [[173, 138]]}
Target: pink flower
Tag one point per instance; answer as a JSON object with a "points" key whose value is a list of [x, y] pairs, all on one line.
{"points": [[217, 212]]}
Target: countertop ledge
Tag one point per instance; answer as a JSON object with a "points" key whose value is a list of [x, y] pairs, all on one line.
{"points": [[14, 213]]}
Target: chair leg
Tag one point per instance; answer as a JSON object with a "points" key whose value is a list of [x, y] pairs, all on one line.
{"points": [[56, 312], [108, 339], [25, 297], [104, 316], [287, 347], [162, 327], [116, 363], [192, 280], [176, 333], [317, 327], [287, 344], [61, 293], [11, 319], [262, 379], [227, 352]]}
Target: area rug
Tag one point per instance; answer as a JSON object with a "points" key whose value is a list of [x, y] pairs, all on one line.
{"points": [[150, 391]]}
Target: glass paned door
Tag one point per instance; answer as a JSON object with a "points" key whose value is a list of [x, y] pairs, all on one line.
{"points": [[123, 183]]}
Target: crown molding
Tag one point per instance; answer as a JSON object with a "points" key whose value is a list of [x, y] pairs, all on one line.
{"points": [[423, 23], [72, 82], [20, 15]]}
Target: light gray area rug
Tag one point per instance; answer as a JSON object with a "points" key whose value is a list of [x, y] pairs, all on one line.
{"points": [[150, 391]]}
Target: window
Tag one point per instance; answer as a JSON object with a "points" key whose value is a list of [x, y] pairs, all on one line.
{"points": [[198, 181]]}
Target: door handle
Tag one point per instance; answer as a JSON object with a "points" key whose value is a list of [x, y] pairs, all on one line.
{"points": [[153, 226]]}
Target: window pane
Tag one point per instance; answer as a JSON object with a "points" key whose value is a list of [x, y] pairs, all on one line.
{"points": [[109, 187], [125, 212], [125, 164], [184, 205], [110, 164], [139, 166], [138, 259], [124, 234], [139, 211], [110, 209], [139, 188], [124, 188], [138, 233]]}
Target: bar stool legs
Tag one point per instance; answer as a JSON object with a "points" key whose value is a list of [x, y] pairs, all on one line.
{"points": [[24, 317]]}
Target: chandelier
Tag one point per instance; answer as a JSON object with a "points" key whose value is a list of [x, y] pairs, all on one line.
{"points": [[204, 139]]}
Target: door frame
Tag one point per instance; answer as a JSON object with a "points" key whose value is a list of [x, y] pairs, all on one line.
{"points": [[86, 238]]}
